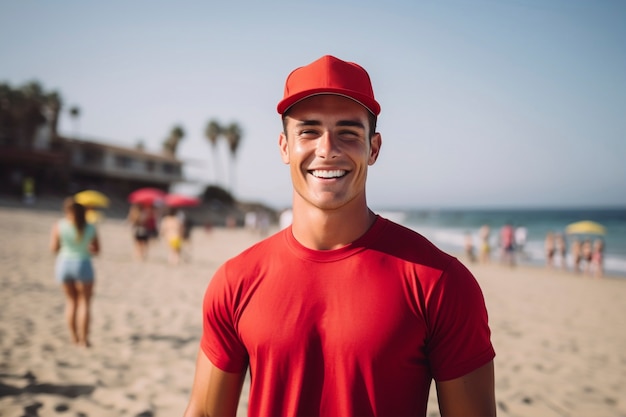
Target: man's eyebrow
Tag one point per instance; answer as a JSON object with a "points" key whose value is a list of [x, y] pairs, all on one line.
{"points": [[351, 123], [308, 123]]}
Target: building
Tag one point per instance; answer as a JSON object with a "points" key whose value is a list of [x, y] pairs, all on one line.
{"points": [[117, 169], [64, 166]]}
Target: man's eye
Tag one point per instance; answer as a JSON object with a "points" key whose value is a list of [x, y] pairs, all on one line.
{"points": [[349, 134]]}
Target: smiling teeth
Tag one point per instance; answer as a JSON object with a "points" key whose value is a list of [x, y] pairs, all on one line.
{"points": [[329, 174]]}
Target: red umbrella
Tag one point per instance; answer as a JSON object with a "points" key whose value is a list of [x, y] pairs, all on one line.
{"points": [[146, 196], [179, 200]]}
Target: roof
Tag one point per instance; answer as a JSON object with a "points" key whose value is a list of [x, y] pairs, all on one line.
{"points": [[123, 149]]}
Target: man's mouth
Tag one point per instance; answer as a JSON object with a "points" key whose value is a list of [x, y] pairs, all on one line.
{"points": [[328, 174]]}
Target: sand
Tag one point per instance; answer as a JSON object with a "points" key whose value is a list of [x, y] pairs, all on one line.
{"points": [[560, 338]]}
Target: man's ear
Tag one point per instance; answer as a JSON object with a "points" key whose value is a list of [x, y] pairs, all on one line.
{"points": [[284, 149], [375, 144]]}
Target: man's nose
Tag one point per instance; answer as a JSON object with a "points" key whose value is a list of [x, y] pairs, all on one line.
{"points": [[327, 146]]}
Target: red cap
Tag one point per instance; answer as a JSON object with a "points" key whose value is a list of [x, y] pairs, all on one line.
{"points": [[329, 75]]}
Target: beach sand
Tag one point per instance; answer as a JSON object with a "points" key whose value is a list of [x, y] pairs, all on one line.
{"points": [[560, 338]]}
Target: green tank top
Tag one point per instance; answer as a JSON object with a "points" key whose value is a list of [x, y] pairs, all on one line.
{"points": [[71, 247]]}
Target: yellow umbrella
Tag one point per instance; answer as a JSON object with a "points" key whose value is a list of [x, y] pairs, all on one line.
{"points": [[585, 227], [91, 198]]}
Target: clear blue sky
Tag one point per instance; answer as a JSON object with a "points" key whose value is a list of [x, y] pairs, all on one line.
{"points": [[484, 103]]}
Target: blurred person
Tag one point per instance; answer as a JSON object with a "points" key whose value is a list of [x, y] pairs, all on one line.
{"points": [[549, 247], [138, 219], [577, 254], [507, 244], [485, 245], [597, 258], [521, 235], [560, 248], [188, 224], [75, 241], [28, 189], [263, 223], [185, 220], [250, 221], [344, 312], [586, 255], [469, 248], [172, 230], [231, 221], [152, 222]]}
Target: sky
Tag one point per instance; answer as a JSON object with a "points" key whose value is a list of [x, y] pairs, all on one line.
{"points": [[485, 103]]}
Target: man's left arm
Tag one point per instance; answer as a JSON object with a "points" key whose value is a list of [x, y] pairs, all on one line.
{"points": [[472, 394]]}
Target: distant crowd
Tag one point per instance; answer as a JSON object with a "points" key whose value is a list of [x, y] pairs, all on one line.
{"points": [[586, 255], [583, 255]]}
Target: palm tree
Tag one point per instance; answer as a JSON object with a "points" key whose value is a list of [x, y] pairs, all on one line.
{"points": [[31, 105], [75, 115], [233, 134], [212, 132], [53, 105], [171, 143], [24, 110]]}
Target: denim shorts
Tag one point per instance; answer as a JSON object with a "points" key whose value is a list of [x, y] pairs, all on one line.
{"points": [[68, 269]]}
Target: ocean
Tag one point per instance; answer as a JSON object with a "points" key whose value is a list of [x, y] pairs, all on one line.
{"points": [[447, 228]]}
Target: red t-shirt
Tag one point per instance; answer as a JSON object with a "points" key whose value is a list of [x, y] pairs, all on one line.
{"points": [[360, 330]]}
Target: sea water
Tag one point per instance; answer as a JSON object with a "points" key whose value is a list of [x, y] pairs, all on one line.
{"points": [[447, 228]]}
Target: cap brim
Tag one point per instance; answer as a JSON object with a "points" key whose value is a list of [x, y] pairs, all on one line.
{"points": [[371, 105]]}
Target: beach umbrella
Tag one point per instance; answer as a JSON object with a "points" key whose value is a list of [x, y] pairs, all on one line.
{"points": [[179, 200], [91, 198], [146, 196], [585, 227]]}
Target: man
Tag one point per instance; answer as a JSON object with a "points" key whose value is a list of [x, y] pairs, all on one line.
{"points": [[344, 313]]}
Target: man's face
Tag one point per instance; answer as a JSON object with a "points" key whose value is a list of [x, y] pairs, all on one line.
{"points": [[328, 148]]}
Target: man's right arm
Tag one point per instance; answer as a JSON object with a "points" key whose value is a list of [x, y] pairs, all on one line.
{"points": [[215, 392]]}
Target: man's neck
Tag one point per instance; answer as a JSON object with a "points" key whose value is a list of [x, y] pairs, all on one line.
{"points": [[321, 229]]}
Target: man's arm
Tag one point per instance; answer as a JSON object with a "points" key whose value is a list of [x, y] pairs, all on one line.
{"points": [[215, 392], [470, 395]]}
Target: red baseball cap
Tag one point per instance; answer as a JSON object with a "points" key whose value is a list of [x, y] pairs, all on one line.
{"points": [[329, 75]]}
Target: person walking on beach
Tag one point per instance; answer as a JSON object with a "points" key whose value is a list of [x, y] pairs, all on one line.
{"points": [[485, 245], [597, 258], [344, 312], [507, 244], [138, 219], [172, 229], [549, 246], [75, 241], [521, 234], [587, 255], [577, 254], [560, 247]]}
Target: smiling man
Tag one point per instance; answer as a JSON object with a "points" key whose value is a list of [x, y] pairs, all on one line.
{"points": [[344, 313]]}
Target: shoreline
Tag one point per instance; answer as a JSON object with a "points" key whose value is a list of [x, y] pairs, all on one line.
{"points": [[559, 347]]}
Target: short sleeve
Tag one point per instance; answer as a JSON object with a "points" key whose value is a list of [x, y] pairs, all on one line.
{"points": [[220, 340], [459, 340]]}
